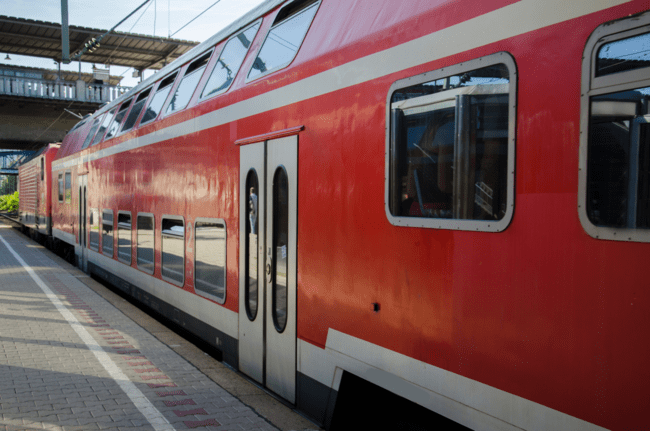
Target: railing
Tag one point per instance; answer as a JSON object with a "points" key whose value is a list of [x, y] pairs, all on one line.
{"points": [[62, 90]]}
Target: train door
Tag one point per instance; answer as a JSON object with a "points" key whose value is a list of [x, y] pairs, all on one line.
{"points": [[83, 222], [267, 263]]}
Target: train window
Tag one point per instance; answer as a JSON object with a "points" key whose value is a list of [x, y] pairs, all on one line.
{"points": [[135, 111], [61, 188], [107, 232], [94, 229], [124, 237], [117, 121], [68, 187], [91, 133], [158, 99], [251, 265], [210, 259], [42, 169], [451, 147], [173, 249], [100, 132], [229, 62], [614, 175], [285, 37], [145, 246], [188, 84], [280, 242]]}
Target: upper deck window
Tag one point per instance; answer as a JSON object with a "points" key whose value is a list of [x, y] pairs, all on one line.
{"points": [[614, 179], [91, 133], [103, 127], [451, 147], [158, 99], [284, 38], [229, 62], [187, 86], [115, 125], [135, 111]]}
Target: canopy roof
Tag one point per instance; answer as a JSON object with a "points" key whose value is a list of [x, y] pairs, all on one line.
{"points": [[43, 39]]}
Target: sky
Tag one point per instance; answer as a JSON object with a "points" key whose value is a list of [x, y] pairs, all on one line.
{"points": [[158, 17]]}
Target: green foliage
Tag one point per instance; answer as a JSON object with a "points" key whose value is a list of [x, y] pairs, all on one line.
{"points": [[9, 202]]}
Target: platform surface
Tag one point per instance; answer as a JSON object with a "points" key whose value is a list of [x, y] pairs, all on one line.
{"points": [[75, 356]]}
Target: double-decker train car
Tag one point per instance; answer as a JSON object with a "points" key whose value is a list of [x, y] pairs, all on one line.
{"points": [[35, 190], [445, 204]]}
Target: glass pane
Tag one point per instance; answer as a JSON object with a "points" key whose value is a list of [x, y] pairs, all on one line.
{"points": [[145, 255], [158, 99], [623, 55], [135, 111], [115, 125], [68, 187], [124, 237], [228, 64], [61, 189], [210, 266], [173, 257], [107, 233], [280, 244], [94, 229], [91, 134], [618, 164], [251, 264], [450, 147], [103, 127], [282, 42], [186, 88]]}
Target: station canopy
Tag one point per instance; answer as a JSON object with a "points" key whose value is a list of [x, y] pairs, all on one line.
{"points": [[43, 39]]}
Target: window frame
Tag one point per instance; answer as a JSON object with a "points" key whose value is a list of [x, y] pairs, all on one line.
{"points": [[248, 79], [61, 184], [209, 53], [593, 85], [175, 73], [162, 251], [225, 269], [459, 224], [137, 242], [137, 119], [130, 261]]}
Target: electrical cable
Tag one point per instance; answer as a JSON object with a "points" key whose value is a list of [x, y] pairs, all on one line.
{"points": [[209, 7]]}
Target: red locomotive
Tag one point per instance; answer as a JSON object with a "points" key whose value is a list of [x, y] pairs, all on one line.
{"points": [[446, 200]]}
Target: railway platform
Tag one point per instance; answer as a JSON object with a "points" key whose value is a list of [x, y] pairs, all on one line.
{"points": [[76, 356]]}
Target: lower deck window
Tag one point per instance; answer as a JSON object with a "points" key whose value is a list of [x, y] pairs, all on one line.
{"points": [[145, 256], [173, 250], [61, 188], [68, 187], [94, 229], [124, 237], [451, 151], [210, 259], [107, 232]]}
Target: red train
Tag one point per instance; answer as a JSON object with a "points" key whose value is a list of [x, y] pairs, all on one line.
{"points": [[445, 200]]}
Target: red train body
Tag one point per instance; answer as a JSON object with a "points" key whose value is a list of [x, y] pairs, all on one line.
{"points": [[35, 188], [302, 221]]}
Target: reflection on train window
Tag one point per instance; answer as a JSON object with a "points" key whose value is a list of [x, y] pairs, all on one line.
{"points": [[145, 256], [449, 147], [210, 259], [229, 61], [173, 250], [100, 132], [124, 237], [68, 187], [94, 229], [284, 38], [61, 188], [252, 231], [158, 99], [107, 232], [187, 86], [42, 169], [92, 131], [135, 111], [115, 124], [280, 246], [618, 149]]}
